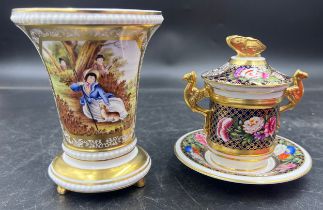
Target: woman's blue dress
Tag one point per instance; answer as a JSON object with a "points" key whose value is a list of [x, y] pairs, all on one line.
{"points": [[91, 103]]}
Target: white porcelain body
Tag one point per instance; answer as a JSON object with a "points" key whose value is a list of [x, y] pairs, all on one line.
{"points": [[249, 92], [239, 163]]}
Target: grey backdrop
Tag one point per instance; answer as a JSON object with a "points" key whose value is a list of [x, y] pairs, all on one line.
{"points": [[191, 37]]}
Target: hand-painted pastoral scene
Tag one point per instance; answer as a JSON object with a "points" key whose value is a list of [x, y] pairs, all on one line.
{"points": [[94, 83]]}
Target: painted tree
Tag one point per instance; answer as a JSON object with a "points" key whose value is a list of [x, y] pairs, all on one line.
{"points": [[83, 58], [115, 65], [52, 59]]}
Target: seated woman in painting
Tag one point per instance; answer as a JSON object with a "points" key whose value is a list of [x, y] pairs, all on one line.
{"points": [[104, 107]]}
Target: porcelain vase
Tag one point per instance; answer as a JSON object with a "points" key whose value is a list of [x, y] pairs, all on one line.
{"points": [[93, 58]]}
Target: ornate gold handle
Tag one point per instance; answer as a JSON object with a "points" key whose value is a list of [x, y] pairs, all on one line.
{"points": [[193, 95], [295, 92]]}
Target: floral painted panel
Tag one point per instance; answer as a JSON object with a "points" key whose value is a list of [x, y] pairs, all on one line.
{"points": [[243, 129], [288, 156], [247, 75]]}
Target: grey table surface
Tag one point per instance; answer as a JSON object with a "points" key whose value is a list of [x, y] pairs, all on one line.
{"points": [[30, 137]]}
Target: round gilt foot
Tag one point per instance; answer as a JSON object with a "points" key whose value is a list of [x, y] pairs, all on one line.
{"points": [[61, 190], [140, 183]]}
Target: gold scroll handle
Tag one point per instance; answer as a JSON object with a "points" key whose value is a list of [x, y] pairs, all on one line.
{"points": [[295, 92], [193, 95]]}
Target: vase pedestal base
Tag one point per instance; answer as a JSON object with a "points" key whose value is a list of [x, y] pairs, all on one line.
{"points": [[100, 176]]}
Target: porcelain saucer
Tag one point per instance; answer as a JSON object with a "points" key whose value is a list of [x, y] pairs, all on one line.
{"points": [[288, 162]]}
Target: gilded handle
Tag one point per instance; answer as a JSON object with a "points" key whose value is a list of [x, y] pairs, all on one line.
{"points": [[193, 95], [295, 92]]}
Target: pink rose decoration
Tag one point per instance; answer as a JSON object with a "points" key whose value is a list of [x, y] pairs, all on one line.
{"points": [[285, 167], [201, 138], [265, 75], [253, 125], [270, 126], [250, 73], [222, 128]]}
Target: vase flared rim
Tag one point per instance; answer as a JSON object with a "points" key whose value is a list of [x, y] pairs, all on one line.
{"points": [[88, 10], [43, 16]]}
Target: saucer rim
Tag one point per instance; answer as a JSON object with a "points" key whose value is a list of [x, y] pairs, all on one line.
{"points": [[190, 164]]}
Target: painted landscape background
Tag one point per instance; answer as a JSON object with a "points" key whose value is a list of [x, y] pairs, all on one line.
{"points": [[121, 59]]}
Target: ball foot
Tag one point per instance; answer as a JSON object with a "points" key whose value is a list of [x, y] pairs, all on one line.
{"points": [[140, 183], [61, 190]]}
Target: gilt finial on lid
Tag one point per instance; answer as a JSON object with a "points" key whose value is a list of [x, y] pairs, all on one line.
{"points": [[245, 46]]}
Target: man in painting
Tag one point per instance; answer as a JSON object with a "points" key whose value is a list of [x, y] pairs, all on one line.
{"points": [[104, 107], [99, 64], [62, 63]]}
